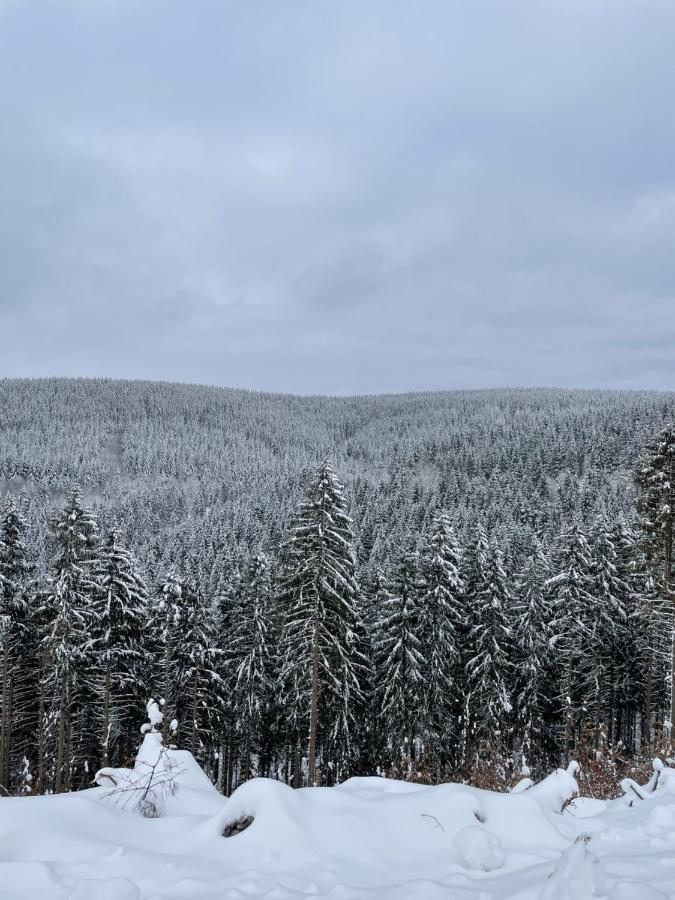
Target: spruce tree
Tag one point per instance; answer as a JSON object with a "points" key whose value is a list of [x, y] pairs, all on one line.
{"points": [[14, 636], [655, 479], [119, 619], [70, 592], [571, 591], [490, 668], [536, 675], [442, 626], [196, 668], [319, 595], [250, 658], [605, 619], [166, 621], [400, 664]]}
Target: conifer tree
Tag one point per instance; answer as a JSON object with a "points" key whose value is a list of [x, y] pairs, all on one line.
{"points": [[250, 657], [70, 592], [536, 671], [571, 589], [196, 668], [400, 663], [604, 620], [119, 619], [655, 479], [14, 636], [489, 672], [166, 620], [319, 596], [442, 626]]}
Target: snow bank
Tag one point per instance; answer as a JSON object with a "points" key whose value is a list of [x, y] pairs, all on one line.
{"points": [[368, 839]]}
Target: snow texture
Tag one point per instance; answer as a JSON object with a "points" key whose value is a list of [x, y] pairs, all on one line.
{"points": [[370, 838]]}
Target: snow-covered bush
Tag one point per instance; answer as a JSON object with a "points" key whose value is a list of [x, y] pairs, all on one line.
{"points": [[145, 788]]}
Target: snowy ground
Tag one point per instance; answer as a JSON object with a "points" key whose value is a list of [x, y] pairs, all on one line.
{"points": [[369, 838]]}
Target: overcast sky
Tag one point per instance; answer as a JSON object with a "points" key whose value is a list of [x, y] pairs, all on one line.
{"points": [[339, 196]]}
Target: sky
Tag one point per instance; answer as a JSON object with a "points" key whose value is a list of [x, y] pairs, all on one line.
{"points": [[339, 197]]}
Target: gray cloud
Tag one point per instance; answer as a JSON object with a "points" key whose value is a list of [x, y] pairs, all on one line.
{"points": [[339, 197]]}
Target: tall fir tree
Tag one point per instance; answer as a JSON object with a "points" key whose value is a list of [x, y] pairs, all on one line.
{"points": [[15, 637], [442, 625], [655, 479], [319, 595], [490, 668], [196, 668], [117, 640], [250, 660], [400, 665], [70, 593], [571, 590], [536, 677]]}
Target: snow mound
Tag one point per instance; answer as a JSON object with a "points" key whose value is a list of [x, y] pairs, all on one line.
{"points": [[368, 839], [479, 849]]}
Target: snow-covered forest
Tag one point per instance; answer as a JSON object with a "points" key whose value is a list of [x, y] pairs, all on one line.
{"points": [[474, 583]]}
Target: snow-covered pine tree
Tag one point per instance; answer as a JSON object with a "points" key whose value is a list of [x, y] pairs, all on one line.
{"points": [[655, 477], [187, 671], [442, 626], [70, 592], [490, 668], [570, 589], [249, 660], [605, 620], [627, 665], [536, 696], [14, 625], [165, 635], [319, 597], [196, 664], [400, 665], [119, 618], [473, 573]]}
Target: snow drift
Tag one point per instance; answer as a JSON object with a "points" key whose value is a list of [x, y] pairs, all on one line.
{"points": [[369, 838]]}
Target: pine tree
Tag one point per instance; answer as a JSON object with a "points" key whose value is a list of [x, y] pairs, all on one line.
{"points": [[119, 619], [489, 672], [250, 659], [165, 635], [655, 479], [187, 666], [319, 595], [625, 664], [400, 663], [536, 671], [441, 629], [571, 590], [70, 592], [196, 666], [604, 619], [14, 625]]}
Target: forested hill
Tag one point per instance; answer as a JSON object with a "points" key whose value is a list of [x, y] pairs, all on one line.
{"points": [[206, 475]]}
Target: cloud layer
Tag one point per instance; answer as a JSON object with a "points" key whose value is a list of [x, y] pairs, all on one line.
{"points": [[339, 197]]}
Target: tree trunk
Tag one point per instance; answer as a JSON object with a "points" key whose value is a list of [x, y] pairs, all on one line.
{"points": [[193, 742], [647, 731], [106, 718], [230, 765], [313, 707], [668, 574], [220, 782], [5, 719], [246, 773], [297, 779], [569, 722], [62, 738], [40, 786]]}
